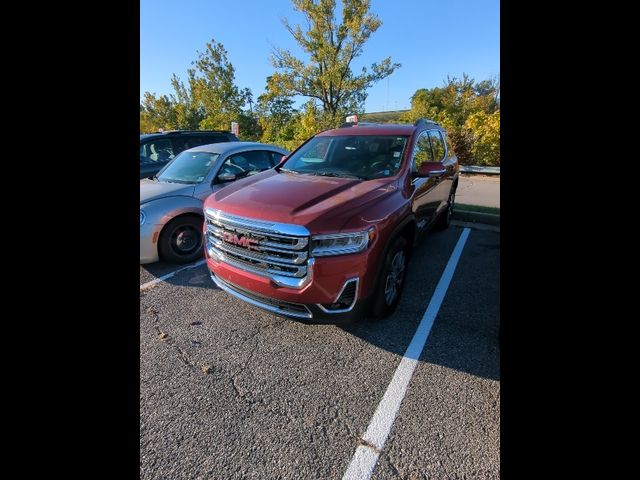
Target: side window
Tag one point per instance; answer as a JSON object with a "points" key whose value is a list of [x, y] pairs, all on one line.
{"points": [[156, 151], [276, 158], [182, 143], [422, 151], [437, 144], [247, 163], [207, 139]]}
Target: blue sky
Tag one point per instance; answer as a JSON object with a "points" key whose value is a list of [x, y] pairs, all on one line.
{"points": [[430, 38]]}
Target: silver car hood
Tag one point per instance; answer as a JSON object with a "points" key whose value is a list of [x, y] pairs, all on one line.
{"points": [[150, 190]]}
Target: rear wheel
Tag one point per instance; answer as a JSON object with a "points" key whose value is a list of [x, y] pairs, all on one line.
{"points": [[181, 240], [391, 280], [445, 217]]}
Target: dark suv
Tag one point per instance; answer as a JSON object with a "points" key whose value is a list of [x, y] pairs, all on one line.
{"points": [[330, 230], [157, 149]]}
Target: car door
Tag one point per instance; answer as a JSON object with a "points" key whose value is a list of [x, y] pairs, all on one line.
{"points": [[425, 197], [443, 182], [241, 164]]}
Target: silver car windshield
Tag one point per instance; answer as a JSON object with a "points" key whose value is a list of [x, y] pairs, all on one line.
{"points": [[365, 157], [189, 167]]}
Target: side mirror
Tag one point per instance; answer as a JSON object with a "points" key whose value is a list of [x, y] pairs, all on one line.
{"points": [[226, 177], [430, 169]]}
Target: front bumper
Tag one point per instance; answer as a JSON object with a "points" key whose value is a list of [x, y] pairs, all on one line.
{"points": [[328, 280], [149, 248]]}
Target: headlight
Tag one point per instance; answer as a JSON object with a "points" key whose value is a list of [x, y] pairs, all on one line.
{"points": [[340, 243], [142, 217]]}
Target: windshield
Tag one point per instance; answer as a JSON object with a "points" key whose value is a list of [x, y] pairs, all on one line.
{"points": [[189, 167], [365, 156]]}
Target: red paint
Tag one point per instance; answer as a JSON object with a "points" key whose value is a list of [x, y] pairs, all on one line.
{"points": [[331, 205]]}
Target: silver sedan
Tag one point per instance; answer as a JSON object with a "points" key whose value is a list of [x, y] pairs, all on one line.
{"points": [[171, 203]]}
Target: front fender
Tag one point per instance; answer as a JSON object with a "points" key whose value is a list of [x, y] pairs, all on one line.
{"points": [[162, 210]]}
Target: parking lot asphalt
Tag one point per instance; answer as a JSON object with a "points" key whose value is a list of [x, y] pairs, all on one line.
{"points": [[230, 391], [481, 190]]}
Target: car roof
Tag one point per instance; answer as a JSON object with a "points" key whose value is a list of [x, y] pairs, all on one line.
{"points": [[376, 129], [230, 147], [180, 133]]}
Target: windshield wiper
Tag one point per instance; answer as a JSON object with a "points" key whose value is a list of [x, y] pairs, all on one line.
{"points": [[338, 174]]}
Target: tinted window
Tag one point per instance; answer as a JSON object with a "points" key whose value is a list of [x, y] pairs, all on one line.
{"points": [[422, 152], [437, 144], [207, 139], [276, 157], [156, 151], [247, 163]]}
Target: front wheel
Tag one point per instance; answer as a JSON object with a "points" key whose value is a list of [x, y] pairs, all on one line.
{"points": [[391, 280], [181, 240]]}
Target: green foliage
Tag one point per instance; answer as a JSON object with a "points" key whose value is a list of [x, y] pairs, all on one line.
{"points": [[276, 118], [469, 111], [331, 47], [485, 129], [392, 116], [209, 100]]}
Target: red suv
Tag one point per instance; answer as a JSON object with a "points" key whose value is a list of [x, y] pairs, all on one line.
{"points": [[327, 234]]}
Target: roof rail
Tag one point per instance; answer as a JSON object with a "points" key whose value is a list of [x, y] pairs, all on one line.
{"points": [[425, 121], [192, 131]]}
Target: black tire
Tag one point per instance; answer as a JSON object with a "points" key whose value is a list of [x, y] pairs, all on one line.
{"points": [[391, 281], [181, 240], [443, 222]]}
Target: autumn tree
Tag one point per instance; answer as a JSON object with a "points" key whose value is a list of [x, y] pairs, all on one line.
{"points": [[469, 111], [210, 99], [276, 118], [331, 47]]}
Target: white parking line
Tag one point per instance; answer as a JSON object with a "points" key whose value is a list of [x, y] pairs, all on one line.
{"points": [[144, 286], [366, 456]]}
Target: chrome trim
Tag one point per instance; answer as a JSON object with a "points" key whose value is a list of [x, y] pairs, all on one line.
{"points": [[255, 303], [300, 242], [265, 272], [353, 304], [434, 173], [275, 253], [298, 256], [260, 225], [296, 283], [253, 255]]}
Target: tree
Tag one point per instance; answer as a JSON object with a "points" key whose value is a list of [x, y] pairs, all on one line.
{"points": [[469, 111], [276, 118], [331, 47], [209, 100]]}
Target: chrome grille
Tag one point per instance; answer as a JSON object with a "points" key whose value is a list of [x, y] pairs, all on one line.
{"points": [[264, 248]]}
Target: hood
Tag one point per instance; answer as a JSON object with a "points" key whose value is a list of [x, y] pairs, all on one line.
{"points": [[151, 190], [321, 204]]}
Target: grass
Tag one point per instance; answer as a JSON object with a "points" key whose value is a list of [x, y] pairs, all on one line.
{"points": [[476, 208]]}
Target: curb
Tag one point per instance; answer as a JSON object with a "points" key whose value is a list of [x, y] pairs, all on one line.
{"points": [[476, 217], [482, 170]]}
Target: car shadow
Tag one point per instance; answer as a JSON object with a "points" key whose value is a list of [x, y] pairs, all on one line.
{"points": [[464, 336]]}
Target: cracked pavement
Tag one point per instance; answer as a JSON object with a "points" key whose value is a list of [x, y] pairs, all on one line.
{"points": [[230, 391]]}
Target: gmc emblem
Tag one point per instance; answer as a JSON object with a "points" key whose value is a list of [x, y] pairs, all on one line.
{"points": [[240, 240]]}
